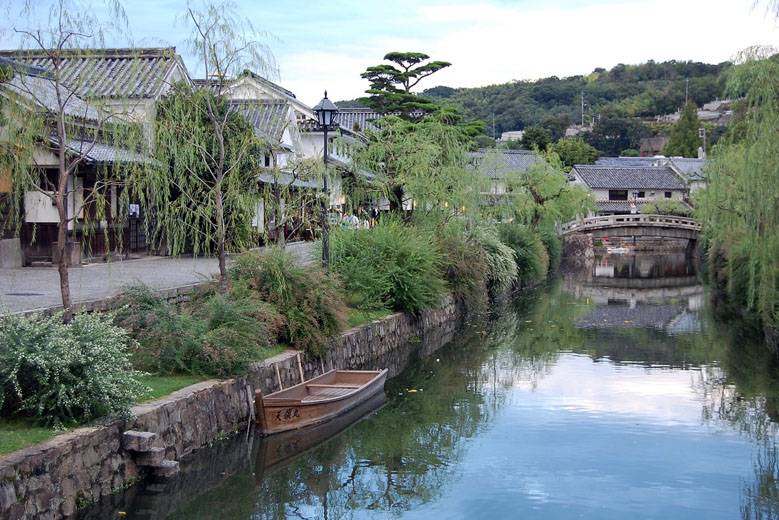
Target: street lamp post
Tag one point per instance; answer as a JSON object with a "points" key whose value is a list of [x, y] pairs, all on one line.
{"points": [[326, 115]]}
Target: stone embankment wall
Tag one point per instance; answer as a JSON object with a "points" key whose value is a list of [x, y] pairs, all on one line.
{"points": [[54, 479]]}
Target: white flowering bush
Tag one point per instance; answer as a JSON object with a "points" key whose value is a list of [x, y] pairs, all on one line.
{"points": [[60, 373]]}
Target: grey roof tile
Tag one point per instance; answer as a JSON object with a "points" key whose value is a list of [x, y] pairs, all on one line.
{"points": [[644, 177], [111, 73], [495, 164], [102, 153], [625, 161], [269, 118]]}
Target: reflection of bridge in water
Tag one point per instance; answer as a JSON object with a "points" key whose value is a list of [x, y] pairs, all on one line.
{"points": [[666, 302]]}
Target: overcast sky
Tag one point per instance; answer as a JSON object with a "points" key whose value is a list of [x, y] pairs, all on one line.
{"points": [[326, 45]]}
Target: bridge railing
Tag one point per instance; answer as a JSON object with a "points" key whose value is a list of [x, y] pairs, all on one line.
{"points": [[615, 221]]}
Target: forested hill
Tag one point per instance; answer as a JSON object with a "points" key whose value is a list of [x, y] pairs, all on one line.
{"points": [[644, 91]]}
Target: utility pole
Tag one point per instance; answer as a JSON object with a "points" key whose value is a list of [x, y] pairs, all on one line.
{"points": [[582, 108], [687, 91], [493, 126]]}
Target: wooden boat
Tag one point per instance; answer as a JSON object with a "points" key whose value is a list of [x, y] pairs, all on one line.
{"points": [[316, 400], [277, 451]]}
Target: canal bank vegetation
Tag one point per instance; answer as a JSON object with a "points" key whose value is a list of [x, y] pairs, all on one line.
{"points": [[441, 236], [740, 207]]}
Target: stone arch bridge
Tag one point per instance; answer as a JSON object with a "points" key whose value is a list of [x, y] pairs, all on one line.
{"points": [[667, 226]]}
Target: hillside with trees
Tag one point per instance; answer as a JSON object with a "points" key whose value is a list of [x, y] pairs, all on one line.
{"points": [[625, 91]]}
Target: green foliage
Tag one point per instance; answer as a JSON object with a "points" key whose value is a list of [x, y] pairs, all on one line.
{"points": [[531, 256], [391, 85], [684, 140], [630, 152], [667, 207], [60, 373], [395, 265], [611, 135], [187, 184], [552, 245], [217, 336], [310, 302], [501, 260], [535, 138], [540, 195], [422, 166], [575, 151], [627, 91], [739, 205], [465, 264]]}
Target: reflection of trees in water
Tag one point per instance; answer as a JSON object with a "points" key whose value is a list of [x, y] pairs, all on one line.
{"points": [[404, 455], [760, 496]]}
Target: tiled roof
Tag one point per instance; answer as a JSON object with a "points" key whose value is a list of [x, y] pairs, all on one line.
{"points": [[496, 163], [625, 161], [103, 153], [37, 86], [112, 73], [358, 119], [692, 168], [628, 178], [268, 117]]}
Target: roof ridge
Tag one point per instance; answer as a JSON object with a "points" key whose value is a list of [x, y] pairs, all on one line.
{"points": [[110, 52]]}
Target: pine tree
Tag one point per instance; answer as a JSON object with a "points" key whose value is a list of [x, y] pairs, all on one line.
{"points": [[684, 137]]}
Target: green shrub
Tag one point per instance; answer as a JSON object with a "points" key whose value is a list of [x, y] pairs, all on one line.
{"points": [[310, 302], [465, 266], [60, 373], [394, 263], [215, 335], [552, 244], [532, 258], [501, 260]]}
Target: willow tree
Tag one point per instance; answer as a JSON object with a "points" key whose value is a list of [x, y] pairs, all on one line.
{"points": [[538, 195], [740, 206], [49, 112], [198, 203], [213, 177], [421, 168]]}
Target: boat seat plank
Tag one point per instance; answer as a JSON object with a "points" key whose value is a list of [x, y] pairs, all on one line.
{"points": [[336, 385]]}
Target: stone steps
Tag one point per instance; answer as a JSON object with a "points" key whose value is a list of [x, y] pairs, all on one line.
{"points": [[147, 455]]}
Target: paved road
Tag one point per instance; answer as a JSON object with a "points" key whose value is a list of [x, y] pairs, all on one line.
{"points": [[30, 288]]}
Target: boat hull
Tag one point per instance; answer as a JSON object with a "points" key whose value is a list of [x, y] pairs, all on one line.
{"points": [[317, 400]]}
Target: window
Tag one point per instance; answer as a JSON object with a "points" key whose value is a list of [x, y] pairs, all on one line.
{"points": [[267, 161], [641, 195], [667, 194], [618, 194]]}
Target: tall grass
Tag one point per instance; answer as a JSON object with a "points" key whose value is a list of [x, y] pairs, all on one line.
{"points": [[394, 265], [311, 303]]}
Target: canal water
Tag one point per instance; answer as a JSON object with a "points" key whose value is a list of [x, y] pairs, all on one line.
{"points": [[611, 393]]}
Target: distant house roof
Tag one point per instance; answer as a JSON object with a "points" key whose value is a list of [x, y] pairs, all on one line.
{"points": [[358, 119], [620, 162], [269, 118], [496, 163], [652, 146], [110, 73], [690, 168], [628, 178]]}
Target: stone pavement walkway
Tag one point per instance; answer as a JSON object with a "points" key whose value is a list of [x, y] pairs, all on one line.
{"points": [[31, 288]]}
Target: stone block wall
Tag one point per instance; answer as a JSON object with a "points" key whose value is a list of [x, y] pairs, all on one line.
{"points": [[53, 479]]}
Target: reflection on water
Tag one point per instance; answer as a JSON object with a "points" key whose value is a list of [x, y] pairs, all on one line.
{"points": [[583, 400]]}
